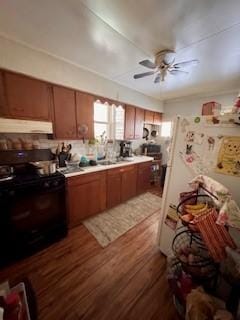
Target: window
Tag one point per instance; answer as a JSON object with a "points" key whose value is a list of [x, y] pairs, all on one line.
{"points": [[119, 118], [101, 119], [166, 129], [108, 120]]}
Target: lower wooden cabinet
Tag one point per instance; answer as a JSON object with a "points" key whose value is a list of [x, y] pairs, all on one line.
{"points": [[121, 185], [114, 183], [143, 177], [91, 193], [129, 182], [86, 196]]}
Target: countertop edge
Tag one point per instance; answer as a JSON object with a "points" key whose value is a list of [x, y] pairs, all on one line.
{"points": [[98, 168]]}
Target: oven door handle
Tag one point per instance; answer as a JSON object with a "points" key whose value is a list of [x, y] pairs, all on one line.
{"points": [[21, 216]]}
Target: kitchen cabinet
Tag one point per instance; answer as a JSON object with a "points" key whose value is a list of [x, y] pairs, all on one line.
{"points": [[139, 120], [143, 177], [64, 113], [157, 118], [129, 182], [3, 104], [149, 116], [114, 183], [129, 122], [27, 98], [84, 114], [86, 196], [121, 184]]}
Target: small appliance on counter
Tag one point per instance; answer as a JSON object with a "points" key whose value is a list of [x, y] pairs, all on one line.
{"points": [[32, 205], [126, 149], [63, 154], [152, 150]]}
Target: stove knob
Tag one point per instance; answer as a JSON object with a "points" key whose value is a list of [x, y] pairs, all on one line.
{"points": [[11, 193], [46, 184], [55, 183]]}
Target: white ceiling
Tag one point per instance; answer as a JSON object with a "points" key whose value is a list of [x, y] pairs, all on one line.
{"points": [[110, 37]]}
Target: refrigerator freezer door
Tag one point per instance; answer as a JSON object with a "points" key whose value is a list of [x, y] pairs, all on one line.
{"points": [[179, 174]]}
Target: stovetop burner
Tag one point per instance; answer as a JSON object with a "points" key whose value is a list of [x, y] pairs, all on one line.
{"points": [[6, 178], [27, 176]]}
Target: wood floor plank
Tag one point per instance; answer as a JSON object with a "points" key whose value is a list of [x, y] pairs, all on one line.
{"points": [[77, 279]]}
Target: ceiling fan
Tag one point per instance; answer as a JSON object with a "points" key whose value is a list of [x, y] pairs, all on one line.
{"points": [[164, 64]]}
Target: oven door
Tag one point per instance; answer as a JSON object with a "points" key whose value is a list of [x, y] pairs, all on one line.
{"points": [[36, 216]]}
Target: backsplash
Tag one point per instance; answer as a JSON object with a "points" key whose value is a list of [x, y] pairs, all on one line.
{"points": [[42, 141]]}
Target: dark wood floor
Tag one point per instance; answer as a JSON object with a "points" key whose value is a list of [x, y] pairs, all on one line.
{"points": [[77, 279]]}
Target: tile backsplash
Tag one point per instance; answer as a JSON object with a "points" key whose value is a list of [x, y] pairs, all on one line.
{"points": [[43, 141]]}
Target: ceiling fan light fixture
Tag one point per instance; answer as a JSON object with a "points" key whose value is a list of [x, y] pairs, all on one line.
{"points": [[163, 64]]}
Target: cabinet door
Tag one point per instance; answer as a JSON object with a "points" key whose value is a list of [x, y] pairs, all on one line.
{"points": [[84, 112], [64, 113], [3, 104], [129, 122], [86, 196], [114, 181], [149, 115], [139, 120], [27, 98], [129, 182], [144, 177], [157, 118]]}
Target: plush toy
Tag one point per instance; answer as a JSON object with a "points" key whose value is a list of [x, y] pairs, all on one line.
{"points": [[236, 107]]}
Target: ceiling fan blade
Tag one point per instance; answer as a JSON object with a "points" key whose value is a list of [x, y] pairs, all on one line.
{"points": [[175, 72], [157, 79], [141, 75], [190, 63], [148, 64]]}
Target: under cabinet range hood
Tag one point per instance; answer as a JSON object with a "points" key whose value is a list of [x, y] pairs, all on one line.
{"points": [[25, 126]]}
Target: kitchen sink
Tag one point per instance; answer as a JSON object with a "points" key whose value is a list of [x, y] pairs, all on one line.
{"points": [[106, 162], [70, 169], [109, 162]]}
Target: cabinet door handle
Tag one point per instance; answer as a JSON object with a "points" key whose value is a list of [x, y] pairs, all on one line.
{"points": [[18, 109]]}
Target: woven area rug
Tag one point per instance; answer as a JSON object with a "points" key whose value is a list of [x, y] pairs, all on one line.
{"points": [[111, 224]]}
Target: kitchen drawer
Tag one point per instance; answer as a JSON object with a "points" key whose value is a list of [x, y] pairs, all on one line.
{"points": [[85, 178]]}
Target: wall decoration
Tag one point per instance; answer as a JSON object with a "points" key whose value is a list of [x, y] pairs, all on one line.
{"points": [[172, 218], [190, 136], [184, 124], [225, 121], [211, 143], [198, 139], [194, 162], [197, 120], [228, 161], [189, 149]]}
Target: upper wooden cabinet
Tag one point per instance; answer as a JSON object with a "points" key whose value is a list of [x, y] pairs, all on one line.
{"points": [[149, 116], [3, 104], [152, 117], [129, 122], [84, 114], [64, 113], [157, 118], [139, 120], [134, 120], [27, 98]]}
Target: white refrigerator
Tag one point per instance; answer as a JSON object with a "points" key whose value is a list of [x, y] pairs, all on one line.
{"points": [[197, 148]]}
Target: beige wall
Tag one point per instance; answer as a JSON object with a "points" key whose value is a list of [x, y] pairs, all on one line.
{"points": [[192, 105], [18, 57]]}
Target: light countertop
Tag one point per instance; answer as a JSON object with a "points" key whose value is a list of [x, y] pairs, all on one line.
{"points": [[99, 167]]}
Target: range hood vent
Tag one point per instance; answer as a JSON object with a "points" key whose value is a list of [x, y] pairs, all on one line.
{"points": [[25, 126]]}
